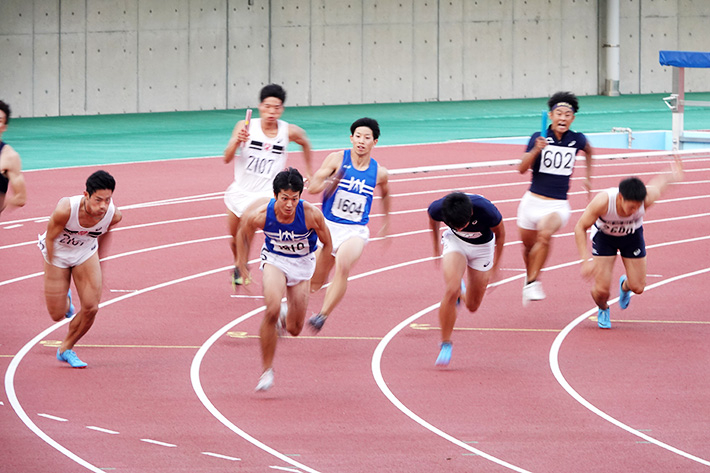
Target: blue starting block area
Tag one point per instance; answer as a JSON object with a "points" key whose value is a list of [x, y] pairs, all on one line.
{"points": [[680, 60]]}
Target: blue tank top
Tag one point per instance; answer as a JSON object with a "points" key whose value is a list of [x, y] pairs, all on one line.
{"points": [[552, 169], [289, 239], [351, 202]]}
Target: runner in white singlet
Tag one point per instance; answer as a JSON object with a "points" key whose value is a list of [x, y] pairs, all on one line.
{"points": [[70, 249], [262, 146], [617, 218]]}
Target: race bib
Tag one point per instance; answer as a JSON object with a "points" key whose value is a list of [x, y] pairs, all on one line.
{"points": [[619, 229], [258, 166], [349, 205], [291, 247], [558, 160]]}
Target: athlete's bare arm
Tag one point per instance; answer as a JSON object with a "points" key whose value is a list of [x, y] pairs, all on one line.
{"points": [[239, 135], [57, 222], [330, 166]]}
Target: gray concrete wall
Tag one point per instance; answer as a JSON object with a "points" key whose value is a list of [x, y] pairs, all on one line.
{"points": [[75, 57]]}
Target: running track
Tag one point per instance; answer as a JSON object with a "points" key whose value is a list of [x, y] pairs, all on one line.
{"points": [[173, 357]]}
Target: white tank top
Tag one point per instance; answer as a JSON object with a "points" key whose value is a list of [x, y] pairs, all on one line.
{"points": [[613, 224], [261, 158], [74, 237]]}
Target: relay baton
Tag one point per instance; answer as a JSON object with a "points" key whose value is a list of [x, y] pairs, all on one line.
{"points": [[247, 119], [543, 129]]}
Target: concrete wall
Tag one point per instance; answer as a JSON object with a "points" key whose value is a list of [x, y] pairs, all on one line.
{"points": [[75, 57]]}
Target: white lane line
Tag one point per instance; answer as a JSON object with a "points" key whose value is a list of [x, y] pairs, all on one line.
{"points": [[158, 442], [15, 403], [223, 457], [59, 419], [379, 379], [12, 369], [281, 468], [199, 391], [99, 429], [557, 372]]}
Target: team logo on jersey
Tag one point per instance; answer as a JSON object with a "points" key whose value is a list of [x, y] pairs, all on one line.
{"points": [[637, 251], [356, 184], [267, 147], [286, 235], [572, 143], [82, 232]]}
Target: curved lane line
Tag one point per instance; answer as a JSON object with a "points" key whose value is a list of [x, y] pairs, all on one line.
{"points": [[555, 367], [197, 387], [377, 374], [11, 396], [15, 362]]}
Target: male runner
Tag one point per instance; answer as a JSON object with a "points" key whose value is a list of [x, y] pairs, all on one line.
{"points": [[263, 144], [292, 228], [616, 218], [348, 180], [70, 249]]}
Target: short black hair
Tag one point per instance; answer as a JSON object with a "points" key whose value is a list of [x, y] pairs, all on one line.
{"points": [[633, 188], [100, 180], [5, 108], [564, 97], [457, 210], [272, 90], [371, 123], [288, 180]]}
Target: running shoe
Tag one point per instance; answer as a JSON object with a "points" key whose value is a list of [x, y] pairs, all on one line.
{"points": [[624, 296], [316, 322], [281, 322], [69, 356], [533, 292], [463, 291], [237, 279], [266, 380], [444, 355], [603, 318], [72, 310]]}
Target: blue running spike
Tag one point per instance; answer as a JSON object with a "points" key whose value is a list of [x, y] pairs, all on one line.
{"points": [[70, 357], [444, 355], [603, 318], [624, 296], [72, 310]]}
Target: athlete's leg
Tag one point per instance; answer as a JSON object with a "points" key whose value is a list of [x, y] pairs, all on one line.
{"points": [[233, 225], [635, 274], [274, 286], [454, 267], [88, 281], [601, 288], [323, 267], [477, 282], [56, 286], [297, 297], [540, 249], [346, 257]]}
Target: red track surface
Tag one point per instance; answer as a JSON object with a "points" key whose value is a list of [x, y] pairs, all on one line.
{"points": [[326, 412]]}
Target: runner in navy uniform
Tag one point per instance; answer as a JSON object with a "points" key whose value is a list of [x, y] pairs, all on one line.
{"points": [[11, 177], [544, 208], [472, 246], [616, 218]]}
